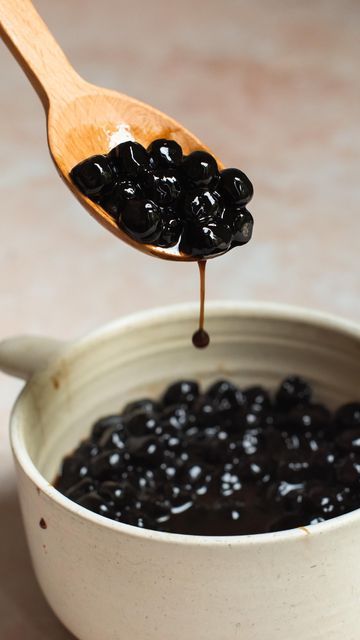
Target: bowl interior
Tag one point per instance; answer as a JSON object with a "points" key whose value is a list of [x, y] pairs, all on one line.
{"points": [[138, 356]]}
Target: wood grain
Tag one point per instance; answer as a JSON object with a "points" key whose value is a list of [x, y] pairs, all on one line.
{"points": [[83, 119]]}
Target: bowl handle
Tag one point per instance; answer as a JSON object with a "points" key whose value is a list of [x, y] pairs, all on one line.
{"points": [[22, 356]]}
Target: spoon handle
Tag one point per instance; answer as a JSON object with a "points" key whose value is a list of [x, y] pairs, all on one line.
{"points": [[37, 52]]}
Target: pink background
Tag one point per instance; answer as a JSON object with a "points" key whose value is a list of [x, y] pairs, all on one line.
{"points": [[272, 86]]}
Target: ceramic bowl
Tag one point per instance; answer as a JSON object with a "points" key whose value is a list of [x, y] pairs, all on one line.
{"points": [[110, 581]]}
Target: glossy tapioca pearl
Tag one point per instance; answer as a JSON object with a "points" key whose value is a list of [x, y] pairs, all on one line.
{"points": [[146, 405], [122, 191], [257, 396], [130, 159], [119, 493], [171, 228], [141, 423], [202, 205], [181, 392], [108, 464], [235, 187], [322, 464], [324, 502], [349, 440], [103, 424], [178, 416], [225, 395], [165, 154], [94, 502], [348, 416], [242, 227], [309, 417], [161, 186], [87, 449], [256, 467], [73, 469], [93, 176], [251, 441], [205, 241], [229, 482], [348, 469], [199, 169], [141, 220], [157, 511], [293, 391], [113, 439], [84, 486], [147, 449]]}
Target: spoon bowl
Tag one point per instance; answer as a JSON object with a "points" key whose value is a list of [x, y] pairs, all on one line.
{"points": [[83, 119]]}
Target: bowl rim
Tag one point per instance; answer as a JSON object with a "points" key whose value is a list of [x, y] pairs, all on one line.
{"points": [[272, 311]]}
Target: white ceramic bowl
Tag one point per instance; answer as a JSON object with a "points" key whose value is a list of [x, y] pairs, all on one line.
{"points": [[109, 581]]}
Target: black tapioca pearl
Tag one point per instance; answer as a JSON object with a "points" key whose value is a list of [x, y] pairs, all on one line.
{"points": [[108, 464], [348, 415], [225, 396], [163, 186], [94, 502], [86, 450], [122, 191], [141, 220], [349, 440], [141, 423], [183, 392], [143, 404], [119, 493], [171, 228], [84, 486], [164, 154], [147, 449], [235, 186], [73, 469], [293, 391], [202, 241], [93, 176], [348, 469], [130, 159], [199, 169], [103, 424], [258, 397], [202, 206], [112, 439]]}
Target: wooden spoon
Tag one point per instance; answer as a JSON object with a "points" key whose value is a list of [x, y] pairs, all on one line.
{"points": [[83, 119]]}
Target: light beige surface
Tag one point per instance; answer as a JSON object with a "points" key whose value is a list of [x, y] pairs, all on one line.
{"points": [[273, 87]]}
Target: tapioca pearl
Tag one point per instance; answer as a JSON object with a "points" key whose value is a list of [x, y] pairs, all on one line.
{"points": [[199, 169], [122, 191], [119, 493], [94, 502], [112, 439], [242, 227], [84, 486], [349, 440], [202, 206], [93, 176], [86, 450], [146, 448], [309, 417], [108, 464], [235, 186], [183, 392], [163, 186], [130, 159], [73, 469], [141, 423], [164, 154], [103, 424], [348, 416], [257, 396], [322, 464], [178, 416], [141, 220], [348, 469], [293, 391], [171, 228], [145, 405], [202, 241], [225, 396]]}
